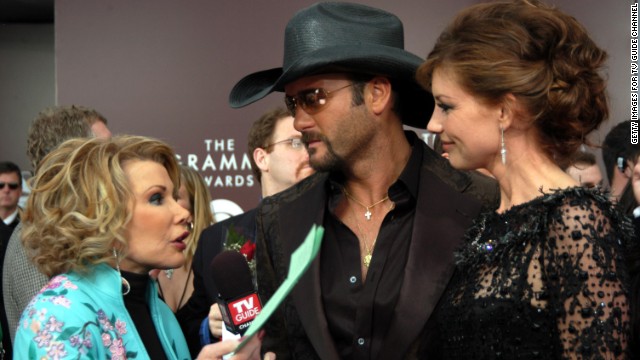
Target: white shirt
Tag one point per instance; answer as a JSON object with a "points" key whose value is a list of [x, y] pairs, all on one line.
{"points": [[9, 219]]}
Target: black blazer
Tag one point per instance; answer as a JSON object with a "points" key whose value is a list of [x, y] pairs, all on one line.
{"points": [[5, 235], [205, 292], [448, 200]]}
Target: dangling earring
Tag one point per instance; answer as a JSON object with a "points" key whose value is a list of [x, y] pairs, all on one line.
{"points": [[503, 149], [126, 287]]}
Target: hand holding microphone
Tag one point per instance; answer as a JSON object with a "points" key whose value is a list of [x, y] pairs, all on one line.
{"points": [[215, 321], [251, 351], [238, 301]]}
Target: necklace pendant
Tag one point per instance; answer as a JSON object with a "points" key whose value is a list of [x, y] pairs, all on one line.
{"points": [[367, 260], [368, 215]]}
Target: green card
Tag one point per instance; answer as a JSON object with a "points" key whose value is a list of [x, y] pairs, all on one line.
{"points": [[300, 261]]}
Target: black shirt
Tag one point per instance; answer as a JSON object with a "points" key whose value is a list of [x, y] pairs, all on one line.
{"points": [[136, 303], [359, 314]]}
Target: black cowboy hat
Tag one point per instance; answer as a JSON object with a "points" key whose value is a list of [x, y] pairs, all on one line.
{"points": [[352, 37]]}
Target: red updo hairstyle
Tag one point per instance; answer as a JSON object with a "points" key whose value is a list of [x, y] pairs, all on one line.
{"points": [[541, 55]]}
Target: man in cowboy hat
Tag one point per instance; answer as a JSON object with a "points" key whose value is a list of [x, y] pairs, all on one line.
{"points": [[393, 210]]}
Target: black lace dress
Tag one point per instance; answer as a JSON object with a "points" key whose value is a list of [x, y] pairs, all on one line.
{"points": [[544, 280]]}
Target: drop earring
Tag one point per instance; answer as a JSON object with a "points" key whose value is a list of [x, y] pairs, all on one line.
{"points": [[503, 149], [126, 287]]}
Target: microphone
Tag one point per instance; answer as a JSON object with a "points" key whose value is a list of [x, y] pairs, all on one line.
{"points": [[239, 303]]}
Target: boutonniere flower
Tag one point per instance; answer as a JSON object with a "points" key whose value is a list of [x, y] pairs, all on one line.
{"points": [[248, 249], [236, 241]]}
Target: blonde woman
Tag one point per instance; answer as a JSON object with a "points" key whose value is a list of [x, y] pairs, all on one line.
{"points": [[101, 215], [176, 285]]}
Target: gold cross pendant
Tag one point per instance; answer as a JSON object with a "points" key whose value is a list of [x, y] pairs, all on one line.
{"points": [[367, 260]]}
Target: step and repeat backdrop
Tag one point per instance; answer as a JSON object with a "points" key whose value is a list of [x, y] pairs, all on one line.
{"points": [[164, 68]]}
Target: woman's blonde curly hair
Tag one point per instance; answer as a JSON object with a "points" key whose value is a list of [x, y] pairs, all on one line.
{"points": [[81, 199]]}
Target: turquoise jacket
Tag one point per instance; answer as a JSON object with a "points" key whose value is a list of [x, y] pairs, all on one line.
{"points": [[82, 316]]}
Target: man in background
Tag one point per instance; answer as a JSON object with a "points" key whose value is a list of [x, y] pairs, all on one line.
{"points": [[21, 280], [279, 160], [585, 170], [619, 156], [10, 192]]}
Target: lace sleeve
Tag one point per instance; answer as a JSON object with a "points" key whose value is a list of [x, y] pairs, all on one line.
{"points": [[585, 279]]}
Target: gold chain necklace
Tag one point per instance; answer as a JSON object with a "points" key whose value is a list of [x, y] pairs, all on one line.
{"points": [[367, 257], [367, 214], [366, 261]]}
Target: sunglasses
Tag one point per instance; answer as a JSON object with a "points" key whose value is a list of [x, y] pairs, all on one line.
{"points": [[295, 143], [310, 100], [12, 186]]}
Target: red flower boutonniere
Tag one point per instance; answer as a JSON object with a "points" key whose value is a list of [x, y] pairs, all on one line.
{"points": [[242, 244], [248, 249]]}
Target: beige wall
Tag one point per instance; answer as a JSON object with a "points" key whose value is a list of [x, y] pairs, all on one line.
{"points": [[27, 84], [164, 68]]}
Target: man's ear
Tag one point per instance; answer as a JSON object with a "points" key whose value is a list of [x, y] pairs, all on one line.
{"points": [[261, 157], [380, 94], [628, 170]]}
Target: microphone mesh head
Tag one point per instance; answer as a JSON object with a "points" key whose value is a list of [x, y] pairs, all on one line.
{"points": [[232, 275]]}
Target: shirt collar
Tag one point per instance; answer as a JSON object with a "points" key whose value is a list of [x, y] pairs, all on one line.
{"points": [[9, 219], [409, 178]]}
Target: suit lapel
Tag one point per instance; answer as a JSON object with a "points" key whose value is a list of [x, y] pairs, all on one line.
{"points": [[438, 228], [306, 295]]}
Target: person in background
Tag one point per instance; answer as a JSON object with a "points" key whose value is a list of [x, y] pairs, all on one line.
{"points": [[392, 209], [278, 161], [518, 88], [633, 260], [10, 192], [176, 285], [635, 187], [619, 156], [21, 280], [101, 215], [585, 170]]}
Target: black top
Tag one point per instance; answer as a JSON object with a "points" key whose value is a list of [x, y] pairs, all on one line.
{"points": [[205, 290], [136, 303], [544, 280], [359, 314], [5, 235]]}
